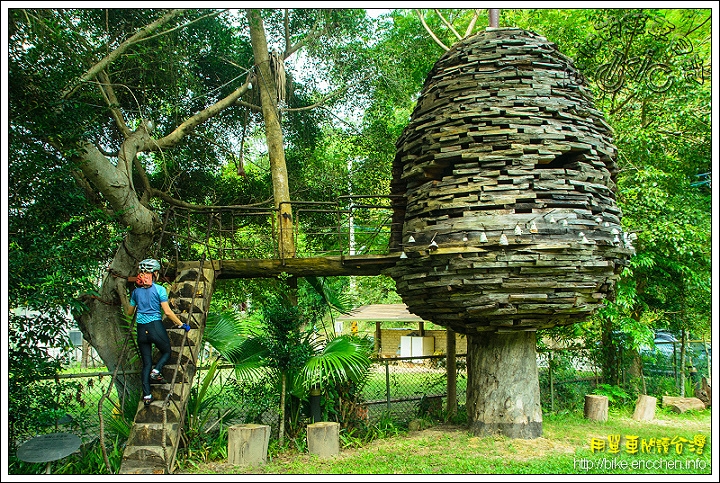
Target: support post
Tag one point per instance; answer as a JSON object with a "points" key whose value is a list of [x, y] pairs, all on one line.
{"points": [[315, 409], [503, 393], [387, 384], [552, 382], [451, 368], [493, 17], [378, 338]]}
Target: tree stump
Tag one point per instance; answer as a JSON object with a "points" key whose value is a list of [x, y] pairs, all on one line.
{"points": [[323, 439], [704, 392], [248, 444], [645, 408], [682, 404], [596, 407]]}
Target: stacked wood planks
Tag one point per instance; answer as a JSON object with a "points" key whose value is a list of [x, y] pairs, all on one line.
{"points": [[509, 220]]}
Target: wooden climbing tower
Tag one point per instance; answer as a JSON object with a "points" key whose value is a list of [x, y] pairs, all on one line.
{"points": [[156, 432]]}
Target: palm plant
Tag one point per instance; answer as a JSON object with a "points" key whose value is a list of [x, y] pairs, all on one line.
{"points": [[284, 342]]}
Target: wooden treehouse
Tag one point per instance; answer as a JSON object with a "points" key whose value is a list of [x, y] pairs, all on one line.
{"points": [[505, 190]]}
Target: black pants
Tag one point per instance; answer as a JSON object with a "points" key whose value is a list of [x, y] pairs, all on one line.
{"points": [[147, 335]]}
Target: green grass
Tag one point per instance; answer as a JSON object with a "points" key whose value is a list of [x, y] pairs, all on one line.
{"points": [[564, 448]]}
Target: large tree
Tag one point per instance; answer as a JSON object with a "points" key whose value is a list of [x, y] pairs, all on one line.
{"points": [[118, 114]]}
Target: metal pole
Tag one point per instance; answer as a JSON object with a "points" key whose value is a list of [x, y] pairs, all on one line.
{"points": [[493, 17], [451, 371], [387, 384], [552, 385]]}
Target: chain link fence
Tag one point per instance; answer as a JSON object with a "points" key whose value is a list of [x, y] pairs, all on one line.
{"points": [[402, 388]]}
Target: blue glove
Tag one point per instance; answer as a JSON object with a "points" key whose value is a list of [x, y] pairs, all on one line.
{"points": [[186, 327]]}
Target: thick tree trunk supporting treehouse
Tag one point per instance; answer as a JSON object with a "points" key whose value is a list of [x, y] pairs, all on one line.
{"points": [[503, 394]]}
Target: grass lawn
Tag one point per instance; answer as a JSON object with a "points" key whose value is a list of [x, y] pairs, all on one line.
{"points": [[570, 445]]}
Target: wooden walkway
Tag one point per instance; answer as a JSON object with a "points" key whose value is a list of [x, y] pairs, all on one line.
{"points": [[329, 266]]}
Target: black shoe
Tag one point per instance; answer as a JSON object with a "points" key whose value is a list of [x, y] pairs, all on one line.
{"points": [[148, 399], [157, 378]]}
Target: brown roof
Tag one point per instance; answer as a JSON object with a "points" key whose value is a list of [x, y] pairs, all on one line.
{"points": [[381, 313]]}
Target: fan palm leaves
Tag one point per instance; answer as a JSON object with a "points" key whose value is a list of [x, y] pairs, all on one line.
{"points": [[344, 358], [281, 342]]}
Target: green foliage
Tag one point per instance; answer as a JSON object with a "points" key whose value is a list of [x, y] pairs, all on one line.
{"points": [[204, 405], [35, 404], [344, 358], [615, 394]]}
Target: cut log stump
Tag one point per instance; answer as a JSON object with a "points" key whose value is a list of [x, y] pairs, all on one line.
{"points": [[704, 392], [645, 408], [323, 439], [596, 407], [682, 404], [248, 444]]}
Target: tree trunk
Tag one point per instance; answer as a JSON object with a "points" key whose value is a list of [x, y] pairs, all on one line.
{"points": [[102, 325], [596, 407], [273, 133], [683, 356], [610, 355], [637, 379], [503, 393], [281, 426], [645, 408], [85, 353]]}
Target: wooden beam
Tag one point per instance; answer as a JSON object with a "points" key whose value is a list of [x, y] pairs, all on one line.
{"points": [[330, 266]]}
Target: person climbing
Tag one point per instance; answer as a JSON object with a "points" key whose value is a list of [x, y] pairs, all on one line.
{"points": [[149, 299]]}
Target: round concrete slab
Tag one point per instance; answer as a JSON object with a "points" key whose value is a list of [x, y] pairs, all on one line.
{"points": [[48, 447]]}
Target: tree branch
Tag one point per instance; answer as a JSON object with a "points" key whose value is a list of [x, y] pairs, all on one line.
{"points": [[129, 149], [164, 32], [286, 22], [100, 66], [318, 103], [447, 24], [432, 34], [184, 204], [90, 193], [314, 33], [108, 94], [252, 107], [183, 129], [472, 23]]}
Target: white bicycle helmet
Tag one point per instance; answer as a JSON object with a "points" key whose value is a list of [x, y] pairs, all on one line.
{"points": [[149, 265]]}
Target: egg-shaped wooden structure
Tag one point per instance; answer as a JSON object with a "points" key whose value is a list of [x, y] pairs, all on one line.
{"points": [[506, 199]]}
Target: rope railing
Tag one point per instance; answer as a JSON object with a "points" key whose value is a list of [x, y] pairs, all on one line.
{"points": [[170, 457], [349, 225]]}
